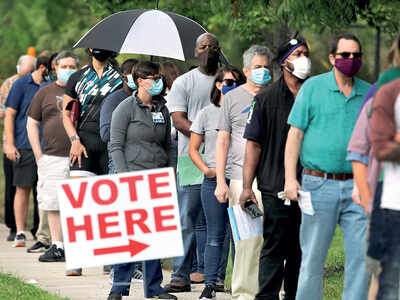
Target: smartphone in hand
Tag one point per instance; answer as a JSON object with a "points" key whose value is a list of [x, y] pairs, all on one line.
{"points": [[252, 210]]}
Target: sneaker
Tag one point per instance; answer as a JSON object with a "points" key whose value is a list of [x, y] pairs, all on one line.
{"points": [[73, 272], [54, 254], [137, 276], [107, 269], [38, 247], [219, 287], [19, 240], [114, 296], [177, 286], [208, 293], [11, 236], [164, 295]]}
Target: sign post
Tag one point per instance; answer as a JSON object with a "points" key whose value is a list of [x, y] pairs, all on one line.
{"points": [[120, 218]]}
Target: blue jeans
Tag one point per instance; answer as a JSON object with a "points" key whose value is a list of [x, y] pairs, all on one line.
{"points": [[333, 205], [152, 276], [216, 219], [190, 211], [199, 245], [389, 279], [228, 244]]}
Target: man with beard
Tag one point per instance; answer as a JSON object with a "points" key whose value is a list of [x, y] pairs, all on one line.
{"points": [[188, 95]]}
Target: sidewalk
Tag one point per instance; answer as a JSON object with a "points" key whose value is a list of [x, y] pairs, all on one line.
{"points": [[93, 285]]}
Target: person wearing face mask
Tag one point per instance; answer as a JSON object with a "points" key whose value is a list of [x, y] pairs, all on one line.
{"points": [[190, 93], [322, 121], [25, 65], [53, 162], [203, 129], [140, 139], [88, 88], [264, 158], [232, 122], [17, 147]]}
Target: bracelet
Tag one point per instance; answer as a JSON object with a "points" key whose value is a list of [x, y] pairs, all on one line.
{"points": [[74, 138]]}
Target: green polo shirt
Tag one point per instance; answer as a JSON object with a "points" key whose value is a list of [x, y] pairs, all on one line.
{"points": [[327, 118]]}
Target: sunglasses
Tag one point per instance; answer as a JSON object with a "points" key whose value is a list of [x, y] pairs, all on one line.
{"points": [[229, 82], [347, 54]]}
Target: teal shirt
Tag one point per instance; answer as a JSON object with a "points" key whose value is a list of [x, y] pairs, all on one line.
{"points": [[327, 118]]}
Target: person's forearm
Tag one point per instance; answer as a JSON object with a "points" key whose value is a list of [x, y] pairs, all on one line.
{"points": [[292, 150], [183, 126], [197, 160], [33, 129], [251, 160], [360, 172], [68, 125], [221, 156], [391, 152], [9, 128]]}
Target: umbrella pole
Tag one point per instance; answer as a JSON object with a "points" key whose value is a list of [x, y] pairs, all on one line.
{"points": [[157, 4]]}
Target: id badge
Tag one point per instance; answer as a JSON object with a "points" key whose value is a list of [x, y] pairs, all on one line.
{"points": [[158, 117]]}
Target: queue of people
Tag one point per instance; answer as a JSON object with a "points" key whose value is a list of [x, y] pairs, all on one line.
{"points": [[235, 136]]}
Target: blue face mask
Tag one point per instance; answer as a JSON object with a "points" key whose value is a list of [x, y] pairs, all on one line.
{"points": [[65, 74], [227, 88], [131, 84], [156, 87], [260, 76]]}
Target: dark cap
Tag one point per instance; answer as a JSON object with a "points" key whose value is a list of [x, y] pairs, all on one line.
{"points": [[287, 48]]}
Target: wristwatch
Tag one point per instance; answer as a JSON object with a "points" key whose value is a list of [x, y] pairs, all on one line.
{"points": [[74, 138]]}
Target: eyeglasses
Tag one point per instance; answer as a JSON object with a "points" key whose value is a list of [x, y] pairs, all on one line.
{"points": [[229, 82], [347, 54]]}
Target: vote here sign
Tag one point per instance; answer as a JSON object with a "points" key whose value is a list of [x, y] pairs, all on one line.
{"points": [[120, 218]]}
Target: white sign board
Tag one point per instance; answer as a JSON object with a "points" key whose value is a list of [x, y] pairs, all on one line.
{"points": [[120, 218]]}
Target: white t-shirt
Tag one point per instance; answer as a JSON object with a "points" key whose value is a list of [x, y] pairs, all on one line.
{"points": [[391, 182]]}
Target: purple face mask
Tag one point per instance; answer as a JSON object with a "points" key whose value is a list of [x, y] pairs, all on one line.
{"points": [[348, 66]]}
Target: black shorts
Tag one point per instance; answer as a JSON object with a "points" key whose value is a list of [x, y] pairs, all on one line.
{"points": [[25, 170], [97, 161]]}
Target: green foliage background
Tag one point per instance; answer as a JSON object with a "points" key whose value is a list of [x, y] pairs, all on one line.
{"points": [[57, 24]]}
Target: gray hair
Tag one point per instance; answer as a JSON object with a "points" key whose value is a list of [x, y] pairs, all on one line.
{"points": [[254, 51], [66, 54], [205, 35], [23, 58]]}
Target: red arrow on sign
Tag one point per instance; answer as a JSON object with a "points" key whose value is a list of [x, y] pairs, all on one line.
{"points": [[133, 247]]}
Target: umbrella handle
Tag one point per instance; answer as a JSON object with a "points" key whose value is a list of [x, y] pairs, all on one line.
{"points": [[157, 4]]}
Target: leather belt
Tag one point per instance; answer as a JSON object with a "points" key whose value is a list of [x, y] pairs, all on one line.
{"points": [[339, 176]]}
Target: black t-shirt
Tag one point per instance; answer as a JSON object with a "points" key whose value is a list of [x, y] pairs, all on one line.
{"points": [[85, 86], [267, 125]]}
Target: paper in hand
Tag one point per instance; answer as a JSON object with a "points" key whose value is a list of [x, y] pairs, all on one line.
{"points": [[305, 203]]}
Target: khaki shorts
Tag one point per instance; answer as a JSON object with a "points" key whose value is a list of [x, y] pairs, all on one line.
{"points": [[51, 169]]}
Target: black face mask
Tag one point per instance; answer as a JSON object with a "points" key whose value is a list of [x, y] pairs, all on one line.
{"points": [[209, 60], [102, 55]]}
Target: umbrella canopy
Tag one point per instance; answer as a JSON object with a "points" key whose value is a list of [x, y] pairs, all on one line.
{"points": [[149, 32]]}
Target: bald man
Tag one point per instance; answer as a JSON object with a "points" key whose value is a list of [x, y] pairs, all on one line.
{"points": [[189, 93], [25, 65]]}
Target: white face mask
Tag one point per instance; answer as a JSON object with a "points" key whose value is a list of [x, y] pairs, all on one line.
{"points": [[302, 67]]}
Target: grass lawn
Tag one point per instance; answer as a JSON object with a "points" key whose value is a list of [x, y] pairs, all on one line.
{"points": [[14, 289]]}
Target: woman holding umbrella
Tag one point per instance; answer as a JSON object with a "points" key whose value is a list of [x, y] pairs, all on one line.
{"points": [[141, 139]]}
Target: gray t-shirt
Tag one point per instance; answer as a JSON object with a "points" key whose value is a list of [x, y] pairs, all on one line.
{"points": [[234, 112], [206, 123], [189, 93]]}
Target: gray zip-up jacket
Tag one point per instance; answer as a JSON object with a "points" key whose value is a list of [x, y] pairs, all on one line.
{"points": [[139, 138]]}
